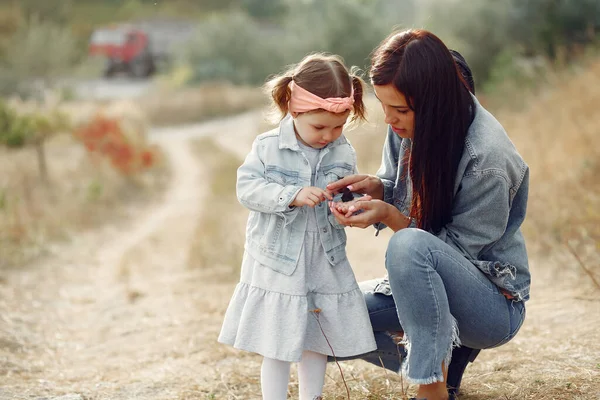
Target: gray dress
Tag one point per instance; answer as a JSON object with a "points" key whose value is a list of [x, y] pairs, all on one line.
{"points": [[279, 316]]}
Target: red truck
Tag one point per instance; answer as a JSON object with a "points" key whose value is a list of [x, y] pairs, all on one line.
{"points": [[139, 48]]}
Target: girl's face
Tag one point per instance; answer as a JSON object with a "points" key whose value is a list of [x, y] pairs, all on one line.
{"points": [[319, 128], [397, 112]]}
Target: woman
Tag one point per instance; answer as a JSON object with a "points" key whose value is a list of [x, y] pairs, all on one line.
{"points": [[453, 188]]}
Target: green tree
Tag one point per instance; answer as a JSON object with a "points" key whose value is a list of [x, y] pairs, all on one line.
{"points": [[265, 9], [15, 130], [544, 26], [40, 50], [242, 49], [479, 30], [490, 33], [39, 53], [345, 27], [31, 129], [233, 47], [57, 11]]}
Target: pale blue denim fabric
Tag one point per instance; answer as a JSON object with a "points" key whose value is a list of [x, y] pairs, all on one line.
{"points": [[490, 202], [267, 182]]}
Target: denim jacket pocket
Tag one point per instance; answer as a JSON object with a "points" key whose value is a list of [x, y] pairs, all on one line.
{"points": [[282, 176], [337, 171], [272, 244]]}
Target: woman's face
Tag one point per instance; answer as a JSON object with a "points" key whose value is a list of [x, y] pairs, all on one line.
{"points": [[397, 112]]}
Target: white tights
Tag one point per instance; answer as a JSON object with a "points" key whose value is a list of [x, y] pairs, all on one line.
{"points": [[275, 375]]}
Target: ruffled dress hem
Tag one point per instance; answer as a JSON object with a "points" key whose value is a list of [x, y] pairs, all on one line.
{"points": [[281, 326]]}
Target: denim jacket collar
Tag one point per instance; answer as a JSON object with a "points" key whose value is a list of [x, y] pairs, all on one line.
{"points": [[288, 140]]}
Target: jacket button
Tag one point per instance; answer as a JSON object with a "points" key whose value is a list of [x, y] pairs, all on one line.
{"points": [[325, 230], [332, 258]]}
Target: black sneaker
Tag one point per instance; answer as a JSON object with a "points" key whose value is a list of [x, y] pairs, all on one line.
{"points": [[461, 356]]}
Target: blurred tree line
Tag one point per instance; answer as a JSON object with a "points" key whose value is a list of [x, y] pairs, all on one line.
{"points": [[502, 38], [246, 45], [244, 41]]}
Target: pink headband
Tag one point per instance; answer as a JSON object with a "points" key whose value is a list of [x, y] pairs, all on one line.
{"points": [[302, 101]]}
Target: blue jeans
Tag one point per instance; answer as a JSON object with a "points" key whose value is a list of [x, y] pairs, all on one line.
{"points": [[440, 300]]}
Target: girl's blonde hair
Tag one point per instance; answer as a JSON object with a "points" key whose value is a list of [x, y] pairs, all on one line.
{"points": [[324, 75]]}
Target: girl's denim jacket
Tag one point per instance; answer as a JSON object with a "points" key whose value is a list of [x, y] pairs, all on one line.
{"points": [[273, 173], [490, 201]]}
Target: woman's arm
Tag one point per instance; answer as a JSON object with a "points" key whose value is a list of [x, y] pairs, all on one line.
{"points": [[255, 192], [395, 220], [388, 170]]}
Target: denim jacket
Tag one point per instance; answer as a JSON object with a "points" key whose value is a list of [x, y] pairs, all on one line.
{"points": [[490, 201], [273, 173]]}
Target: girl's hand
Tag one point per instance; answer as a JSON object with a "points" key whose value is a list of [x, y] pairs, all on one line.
{"points": [[359, 183], [311, 196]]}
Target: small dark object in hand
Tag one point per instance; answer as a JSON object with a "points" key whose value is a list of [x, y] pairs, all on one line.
{"points": [[347, 195]]}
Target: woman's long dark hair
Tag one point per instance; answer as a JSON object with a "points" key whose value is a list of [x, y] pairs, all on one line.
{"points": [[421, 67]]}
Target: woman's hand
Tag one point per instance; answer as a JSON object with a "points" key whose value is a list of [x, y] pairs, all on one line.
{"points": [[373, 211], [343, 207], [359, 183]]}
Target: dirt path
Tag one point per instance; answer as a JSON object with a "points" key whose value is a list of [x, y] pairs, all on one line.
{"points": [[116, 314], [117, 310]]}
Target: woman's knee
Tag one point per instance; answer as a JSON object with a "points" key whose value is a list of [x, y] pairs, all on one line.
{"points": [[407, 247]]}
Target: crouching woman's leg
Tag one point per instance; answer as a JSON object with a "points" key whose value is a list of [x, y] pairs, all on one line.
{"points": [[436, 290], [388, 333]]}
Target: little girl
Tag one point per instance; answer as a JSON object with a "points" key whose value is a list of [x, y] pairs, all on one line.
{"points": [[298, 298]]}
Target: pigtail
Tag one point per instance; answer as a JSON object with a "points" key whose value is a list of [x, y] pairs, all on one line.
{"points": [[359, 111], [278, 88]]}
